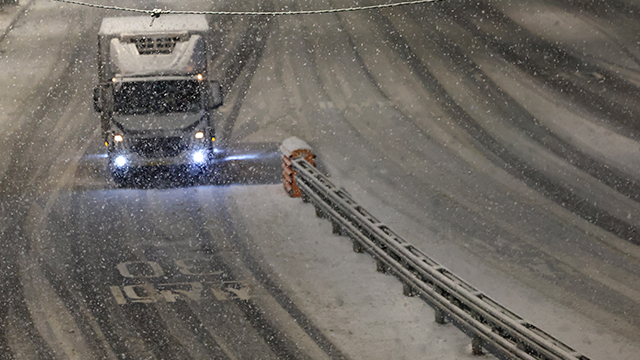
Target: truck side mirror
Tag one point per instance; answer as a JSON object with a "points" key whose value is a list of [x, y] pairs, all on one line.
{"points": [[214, 95], [97, 99]]}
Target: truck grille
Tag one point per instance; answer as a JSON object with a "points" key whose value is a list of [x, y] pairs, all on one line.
{"points": [[158, 147], [150, 45]]}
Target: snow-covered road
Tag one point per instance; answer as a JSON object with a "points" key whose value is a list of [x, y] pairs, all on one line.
{"points": [[511, 165]]}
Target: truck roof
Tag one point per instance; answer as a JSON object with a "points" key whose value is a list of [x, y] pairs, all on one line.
{"points": [[139, 25]]}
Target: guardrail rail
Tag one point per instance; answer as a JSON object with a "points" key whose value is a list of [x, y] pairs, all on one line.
{"points": [[490, 325]]}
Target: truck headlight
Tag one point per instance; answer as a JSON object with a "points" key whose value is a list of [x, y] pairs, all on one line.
{"points": [[117, 138], [198, 156], [120, 161], [199, 135]]}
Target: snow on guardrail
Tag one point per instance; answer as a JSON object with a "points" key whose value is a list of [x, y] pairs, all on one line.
{"points": [[490, 325]]}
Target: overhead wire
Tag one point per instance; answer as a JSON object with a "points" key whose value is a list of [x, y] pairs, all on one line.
{"points": [[158, 12]]}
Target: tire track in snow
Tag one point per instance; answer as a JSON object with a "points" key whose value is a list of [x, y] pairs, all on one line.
{"points": [[241, 242], [248, 55], [526, 248], [611, 97], [226, 262], [534, 178], [612, 177], [37, 118]]}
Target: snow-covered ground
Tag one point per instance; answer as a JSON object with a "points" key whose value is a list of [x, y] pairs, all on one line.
{"points": [[362, 311], [393, 169], [381, 135]]}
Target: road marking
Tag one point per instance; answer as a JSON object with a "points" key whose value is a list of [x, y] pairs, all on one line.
{"points": [[150, 292], [188, 291], [326, 104], [140, 269], [230, 290], [120, 299], [143, 293], [197, 267]]}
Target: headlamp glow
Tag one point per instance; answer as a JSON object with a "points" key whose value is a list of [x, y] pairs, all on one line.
{"points": [[198, 157], [120, 161]]}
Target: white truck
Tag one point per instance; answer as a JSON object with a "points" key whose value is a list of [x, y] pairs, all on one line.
{"points": [[155, 96]]}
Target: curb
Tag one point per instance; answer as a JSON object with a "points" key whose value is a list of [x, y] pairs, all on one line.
{"points": [[11, 19]]}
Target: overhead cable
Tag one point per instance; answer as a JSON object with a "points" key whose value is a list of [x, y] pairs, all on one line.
{"points": [[158, 12]]}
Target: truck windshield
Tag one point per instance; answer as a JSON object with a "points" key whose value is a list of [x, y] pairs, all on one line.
{"points": [[146, 97]]}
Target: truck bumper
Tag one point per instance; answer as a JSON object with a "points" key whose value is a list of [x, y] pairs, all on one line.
{"points": [[192, 159]]}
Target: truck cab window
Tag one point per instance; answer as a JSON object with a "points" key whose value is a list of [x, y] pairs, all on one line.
{"points": [[157, 97]]}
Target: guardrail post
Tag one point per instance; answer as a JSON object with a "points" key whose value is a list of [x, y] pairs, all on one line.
{"points": [[476, 345], [336, 228], [381, 267], [407, 290], [440, 316], [357, 247], [291, 149]]}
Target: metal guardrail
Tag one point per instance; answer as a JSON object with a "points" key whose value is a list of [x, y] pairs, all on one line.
{"points": [[490, 325]]}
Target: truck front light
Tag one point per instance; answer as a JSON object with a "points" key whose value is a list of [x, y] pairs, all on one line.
{"points": [[117, 138], [198, 157], [199, 135], [120, 161]]}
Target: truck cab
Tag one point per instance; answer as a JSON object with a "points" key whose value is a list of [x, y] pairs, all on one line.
{"points": [[155, 95]]}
